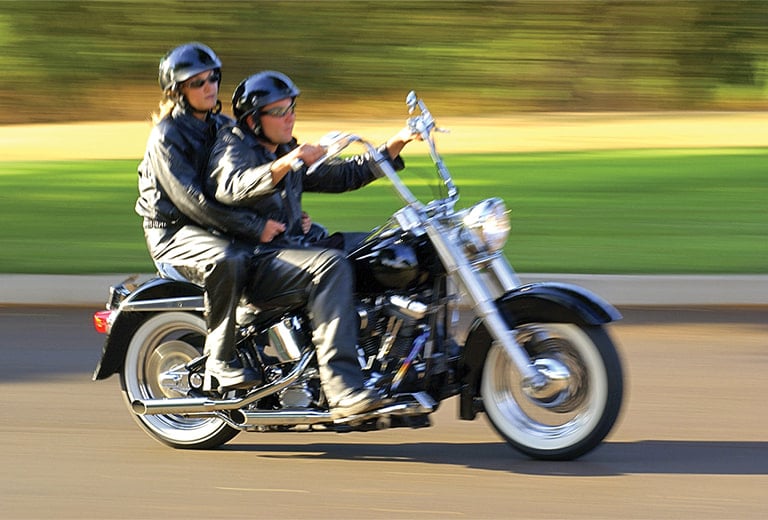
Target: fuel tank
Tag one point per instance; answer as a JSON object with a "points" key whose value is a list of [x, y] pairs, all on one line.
{"points": [[390, 259]]}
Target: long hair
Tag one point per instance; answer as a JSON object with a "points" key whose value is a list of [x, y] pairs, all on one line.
{"points": [[165, 106]]}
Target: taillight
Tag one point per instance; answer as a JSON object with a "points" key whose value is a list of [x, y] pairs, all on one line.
{"points": [[102, 321]]}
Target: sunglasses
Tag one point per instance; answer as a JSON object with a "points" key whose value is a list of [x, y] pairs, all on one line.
{"points": [[197, 83], [280, 111]]}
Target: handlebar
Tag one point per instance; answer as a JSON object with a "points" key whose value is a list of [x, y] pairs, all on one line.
{"points": [[423, 124]]}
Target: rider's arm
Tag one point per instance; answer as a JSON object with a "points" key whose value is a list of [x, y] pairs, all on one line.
{"points": [[339, 175], [181, 181], [397, 142], [236, 174]]}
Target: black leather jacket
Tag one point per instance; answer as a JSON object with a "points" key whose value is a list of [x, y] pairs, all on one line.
{"points": [[171, 185], [239, 175]]}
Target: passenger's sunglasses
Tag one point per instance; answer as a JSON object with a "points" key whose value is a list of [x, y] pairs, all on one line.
{"points": [[280, 111], [197, 83]]}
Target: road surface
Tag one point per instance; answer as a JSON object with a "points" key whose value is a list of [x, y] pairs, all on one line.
{"points": [[691, 442]]}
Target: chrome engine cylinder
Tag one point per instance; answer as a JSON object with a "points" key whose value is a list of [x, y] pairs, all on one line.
{"points": [[285, 339]]}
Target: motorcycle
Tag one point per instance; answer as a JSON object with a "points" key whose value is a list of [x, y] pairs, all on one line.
{"points": [[536, 359]]}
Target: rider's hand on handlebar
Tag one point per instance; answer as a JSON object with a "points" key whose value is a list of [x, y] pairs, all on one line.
{"points": [[397, 142], [301, 156], [309, 153]]}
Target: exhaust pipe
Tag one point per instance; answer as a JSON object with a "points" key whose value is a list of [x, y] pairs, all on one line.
{"points": [[252, 418], [206, 405], [406, 404]]}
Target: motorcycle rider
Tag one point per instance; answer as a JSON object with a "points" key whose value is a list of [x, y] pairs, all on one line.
{"points": [[259, 164], [187, 231]]}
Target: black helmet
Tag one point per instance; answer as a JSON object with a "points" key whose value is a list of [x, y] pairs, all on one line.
{"points": [[259, 90], [185, 61]]}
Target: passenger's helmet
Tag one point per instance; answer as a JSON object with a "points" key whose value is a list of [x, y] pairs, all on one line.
{"points": [[185, 61], [259, 90]]}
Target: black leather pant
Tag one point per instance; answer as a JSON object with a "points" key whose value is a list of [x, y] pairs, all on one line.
{"points": [[217, 264], [322, 280]]}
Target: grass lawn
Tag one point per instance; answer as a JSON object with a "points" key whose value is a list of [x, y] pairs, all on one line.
{"points": [[648, 211]]}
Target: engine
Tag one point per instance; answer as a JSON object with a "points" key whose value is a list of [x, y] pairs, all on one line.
{"points": [[393, 330], [391, 340]]}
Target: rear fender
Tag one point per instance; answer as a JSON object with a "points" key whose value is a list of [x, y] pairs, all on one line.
{"points": [[155, 295], [544, 302]]}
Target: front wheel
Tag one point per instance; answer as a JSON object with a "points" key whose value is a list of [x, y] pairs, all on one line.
{"points": [[154, 368], [578, 408]]}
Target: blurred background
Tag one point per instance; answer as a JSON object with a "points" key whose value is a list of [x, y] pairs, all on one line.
{"points": [[89, 61]]}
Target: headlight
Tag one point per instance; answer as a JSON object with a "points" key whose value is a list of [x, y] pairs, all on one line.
{"points": [[488, 222]]}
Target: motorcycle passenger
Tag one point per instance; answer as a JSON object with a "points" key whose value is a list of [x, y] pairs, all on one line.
{"points": [[259, 164], [187, 231]]}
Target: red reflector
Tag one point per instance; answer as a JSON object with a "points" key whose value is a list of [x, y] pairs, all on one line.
{"points": [[101, 321]]}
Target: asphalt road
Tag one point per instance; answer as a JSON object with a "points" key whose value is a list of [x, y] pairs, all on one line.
{"points": [[691, 442]]}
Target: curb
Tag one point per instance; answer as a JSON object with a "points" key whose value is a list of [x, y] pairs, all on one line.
{"points": [[620, 290]]}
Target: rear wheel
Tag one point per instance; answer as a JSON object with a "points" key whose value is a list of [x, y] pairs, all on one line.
{"points": [[579, 406], [155, 369]]}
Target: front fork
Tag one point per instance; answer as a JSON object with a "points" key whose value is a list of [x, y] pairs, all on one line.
{"points": [[483, 301]]}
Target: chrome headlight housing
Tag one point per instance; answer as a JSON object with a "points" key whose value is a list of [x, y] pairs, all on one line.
{"points": [[489, 226]]}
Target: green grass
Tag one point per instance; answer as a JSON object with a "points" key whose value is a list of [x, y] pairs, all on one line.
{"points": [[659, 211]]}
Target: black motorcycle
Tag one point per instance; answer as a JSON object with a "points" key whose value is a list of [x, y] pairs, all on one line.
{"points": [[535, 358]]}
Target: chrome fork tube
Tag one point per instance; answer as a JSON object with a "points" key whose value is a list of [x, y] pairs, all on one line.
{"points": [[504, 273], [483, 302]]}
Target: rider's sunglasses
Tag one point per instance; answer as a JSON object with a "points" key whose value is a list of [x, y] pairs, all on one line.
{"points": [[280, 111], [197, 83]]}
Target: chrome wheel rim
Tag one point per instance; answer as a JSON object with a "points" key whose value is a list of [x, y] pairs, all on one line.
{"points": [[558, 421], [154, 369]]}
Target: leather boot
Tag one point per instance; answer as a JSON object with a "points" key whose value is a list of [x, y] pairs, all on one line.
{"points": [[357, 402], [224, 376]]}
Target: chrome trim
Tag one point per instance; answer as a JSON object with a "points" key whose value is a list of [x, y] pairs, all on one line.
{"points": [[252, 418], [187, 303], [418, 403]]}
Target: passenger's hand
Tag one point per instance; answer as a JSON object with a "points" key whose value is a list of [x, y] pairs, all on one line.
{"points": [[306, 222], [271, 229]]}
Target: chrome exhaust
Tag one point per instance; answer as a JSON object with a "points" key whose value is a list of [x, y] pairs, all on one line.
{"points": [[405, 404], [206, 405], [253, 418]]}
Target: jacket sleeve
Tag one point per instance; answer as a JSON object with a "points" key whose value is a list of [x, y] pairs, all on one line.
{"points": [[183, 183], [349, 174], [237, 176]]}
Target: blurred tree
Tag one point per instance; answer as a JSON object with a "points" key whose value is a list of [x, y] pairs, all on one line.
{"points": [[80, 60]]}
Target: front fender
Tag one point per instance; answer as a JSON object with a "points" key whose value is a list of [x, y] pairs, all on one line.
{"points": [[155, 295], [543, 302]]}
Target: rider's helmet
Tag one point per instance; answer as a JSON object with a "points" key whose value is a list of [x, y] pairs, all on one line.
{"points": [[185, 61], [259, 90]]}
